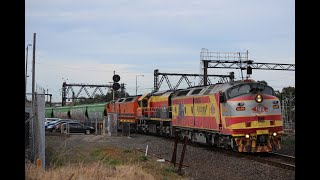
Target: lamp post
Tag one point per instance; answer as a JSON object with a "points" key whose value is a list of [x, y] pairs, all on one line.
{"points": [[137, 82], [25, 86]]}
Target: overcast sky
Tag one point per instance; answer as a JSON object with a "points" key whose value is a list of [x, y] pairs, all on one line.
{"points": [[84, 41]]}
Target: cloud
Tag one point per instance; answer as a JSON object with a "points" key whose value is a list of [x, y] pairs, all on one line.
{"points": [[85, 41]]}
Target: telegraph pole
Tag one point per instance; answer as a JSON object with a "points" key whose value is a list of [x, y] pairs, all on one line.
{"points": [[114, 108], [33, 66], [25, 87]]}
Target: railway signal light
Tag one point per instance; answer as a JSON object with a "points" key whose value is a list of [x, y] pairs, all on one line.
{"points": [[116, 79], [115, 86]]}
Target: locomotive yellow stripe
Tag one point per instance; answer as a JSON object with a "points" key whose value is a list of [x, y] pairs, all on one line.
{"points": [[213, 102], [255, 124], [247, 116]]}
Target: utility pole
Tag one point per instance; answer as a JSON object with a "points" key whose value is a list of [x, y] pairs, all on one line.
{"points": [[114, 108], [25, 87], [33, 67]]}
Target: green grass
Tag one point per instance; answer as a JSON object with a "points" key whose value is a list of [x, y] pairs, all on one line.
{"points": [[169, 169], [60, 155], [127, 151], [143, 158]]}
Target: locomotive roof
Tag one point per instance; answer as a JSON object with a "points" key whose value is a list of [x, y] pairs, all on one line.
{"points": [[223, 87], [213, 88]]}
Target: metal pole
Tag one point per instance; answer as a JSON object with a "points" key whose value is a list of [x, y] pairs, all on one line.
{"points": [[96, 126], [114, 108], [290, 108], [174, 154], [182, 153], [33, 66], [33, 93], [205, 73], [240, 66], [25, 89]]}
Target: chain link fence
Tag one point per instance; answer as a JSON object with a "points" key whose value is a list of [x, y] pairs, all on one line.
{"points": [[288, 115], [35, 128]]}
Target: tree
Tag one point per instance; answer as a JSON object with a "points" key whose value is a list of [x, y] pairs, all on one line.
{"points": [[287, 90], [98, 98], [288, 95]]}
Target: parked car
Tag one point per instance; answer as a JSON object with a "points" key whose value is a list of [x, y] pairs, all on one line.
{"points": [[48, 120], [76, 127], [54, 125]]}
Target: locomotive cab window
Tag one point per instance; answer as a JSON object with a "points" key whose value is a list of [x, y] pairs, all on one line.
{"points": [[238, 90], [128, 99], [183, 93], [143, 103], [249, 88], [264, 89], [197, 91], [120, 100]]}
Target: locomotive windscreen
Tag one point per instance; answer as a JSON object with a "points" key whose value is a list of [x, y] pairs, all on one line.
{"points": [[241, 89]]}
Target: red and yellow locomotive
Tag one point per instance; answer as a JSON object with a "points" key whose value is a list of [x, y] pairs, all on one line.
{"points": [[126, 109], [241, 115]]}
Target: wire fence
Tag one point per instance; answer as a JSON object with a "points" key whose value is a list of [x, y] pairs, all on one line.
{"points": [[34, 128], [288, 116]]}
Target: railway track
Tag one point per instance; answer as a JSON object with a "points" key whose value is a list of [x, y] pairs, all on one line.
{"points": [[275, 159], [272, 158], [282, 160]]}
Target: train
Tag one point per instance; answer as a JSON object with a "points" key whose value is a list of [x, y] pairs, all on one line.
{"points": [[243, 115]]}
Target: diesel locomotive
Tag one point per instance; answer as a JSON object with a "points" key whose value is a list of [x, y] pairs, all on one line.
{"points": [[243, 115]]}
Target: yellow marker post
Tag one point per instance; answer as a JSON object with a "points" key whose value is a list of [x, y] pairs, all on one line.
{"points": [[39, 163]]}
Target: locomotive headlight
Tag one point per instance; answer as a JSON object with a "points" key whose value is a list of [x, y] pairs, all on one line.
{"points": [[274, 134], [247, 136], [259, 98]]}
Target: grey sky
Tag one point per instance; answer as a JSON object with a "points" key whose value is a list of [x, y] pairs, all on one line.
{"points": [[85, 41]]}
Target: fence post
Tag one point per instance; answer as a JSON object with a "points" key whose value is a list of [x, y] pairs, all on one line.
{"points": [[182, 153], [96, 127], [290, 108], [103, 126], [174, 155]]}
